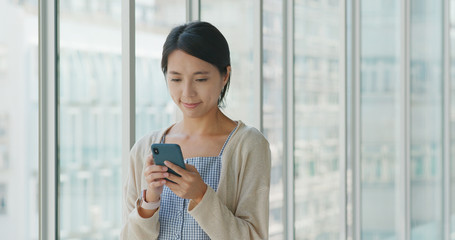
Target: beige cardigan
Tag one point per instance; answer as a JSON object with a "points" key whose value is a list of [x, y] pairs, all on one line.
{"points": [[239, 209]]}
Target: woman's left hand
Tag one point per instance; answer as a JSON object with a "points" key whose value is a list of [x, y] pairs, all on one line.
{"points": [[189, 186]]}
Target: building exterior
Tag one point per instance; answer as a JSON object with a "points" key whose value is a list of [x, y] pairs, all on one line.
{"points": [[89, 105]]}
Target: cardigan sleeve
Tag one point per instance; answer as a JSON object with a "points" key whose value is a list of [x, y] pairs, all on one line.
{"points": [[250, 218], [134, 226]]}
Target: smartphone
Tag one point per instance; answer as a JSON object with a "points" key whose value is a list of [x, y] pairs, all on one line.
{"points": [[168, 152]]}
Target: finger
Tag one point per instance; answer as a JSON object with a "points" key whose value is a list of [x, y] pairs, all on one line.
{"points": [[149, 161], [171, 185], [157, 176], [174, 167], [158, 183], [154, 168], [190, 168], [175, 178]]}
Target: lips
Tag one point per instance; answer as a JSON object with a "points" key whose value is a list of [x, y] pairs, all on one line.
{"points": [[190, 105]]}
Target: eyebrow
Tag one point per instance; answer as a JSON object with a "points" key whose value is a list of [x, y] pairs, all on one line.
{"points": [[195, 73]]}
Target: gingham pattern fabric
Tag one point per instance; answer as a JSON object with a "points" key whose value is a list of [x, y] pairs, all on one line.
{"points": [[175, 221]]}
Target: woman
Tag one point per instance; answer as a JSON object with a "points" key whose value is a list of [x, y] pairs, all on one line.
{"points": [[224, 191]]}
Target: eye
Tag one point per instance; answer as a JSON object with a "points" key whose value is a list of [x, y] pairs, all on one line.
{"points": [[175, 79], [201, 79]]}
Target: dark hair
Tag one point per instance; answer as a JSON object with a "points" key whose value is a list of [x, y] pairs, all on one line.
{"points": [[201, 40]]}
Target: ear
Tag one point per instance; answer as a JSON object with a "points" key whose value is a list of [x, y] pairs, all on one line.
{"points": [[227, 75]]}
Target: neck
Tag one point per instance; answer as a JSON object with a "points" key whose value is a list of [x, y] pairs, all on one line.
{"points": [[210, 124]]}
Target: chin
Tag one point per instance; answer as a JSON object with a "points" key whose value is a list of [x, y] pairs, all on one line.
{"points": [[191, 113], [195, 113]]}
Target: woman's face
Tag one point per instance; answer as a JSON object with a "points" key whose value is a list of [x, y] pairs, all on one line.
{"points": [[194, 84]]}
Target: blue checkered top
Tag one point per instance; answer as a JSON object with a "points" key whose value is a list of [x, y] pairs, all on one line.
{"points": [[175, 221]]}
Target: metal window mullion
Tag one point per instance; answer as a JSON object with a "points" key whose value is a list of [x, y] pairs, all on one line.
{"points": [[128, 81], [288, 122], [343, 127], [447, 211], [357, 170], [405, 184], [48, 162], [258, 53], [193, 10]]}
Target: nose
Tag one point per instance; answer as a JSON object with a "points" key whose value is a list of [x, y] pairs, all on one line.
{"points": [[188, 89]]}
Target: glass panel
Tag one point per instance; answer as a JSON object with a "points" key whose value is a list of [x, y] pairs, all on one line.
{"points": [[90, 119], [318, 63], [241, 100], [380, 118], [273, 108], [19, 119], [349, 120], [452, 116], [426, 119], [154, 20]]}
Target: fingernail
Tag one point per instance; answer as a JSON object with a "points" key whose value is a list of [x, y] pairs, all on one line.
{"points": [[166, 175], [164, 168]]}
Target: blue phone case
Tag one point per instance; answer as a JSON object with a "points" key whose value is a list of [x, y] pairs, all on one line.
{"points": [[170, 152]]}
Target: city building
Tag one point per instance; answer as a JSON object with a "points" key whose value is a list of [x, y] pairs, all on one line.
{"points": [[355, 97]]}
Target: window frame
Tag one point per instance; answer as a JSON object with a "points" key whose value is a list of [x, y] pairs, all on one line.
{"points": [[349, 137]]}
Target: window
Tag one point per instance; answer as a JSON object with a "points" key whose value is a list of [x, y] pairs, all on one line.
{"points": [[357, 197], [380, 119], [89, 120], [426, 118], [19, 119], [242, 100], [273, 79], [154, 20], [316, 119]]}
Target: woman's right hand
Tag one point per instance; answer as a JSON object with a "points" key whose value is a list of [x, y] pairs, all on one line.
{"points": [[155, 176]]}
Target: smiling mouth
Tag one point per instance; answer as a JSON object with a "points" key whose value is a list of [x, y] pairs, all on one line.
{"points": [[190, 105]]}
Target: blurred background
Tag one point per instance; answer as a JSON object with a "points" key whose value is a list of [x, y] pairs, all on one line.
{"points": [[338, 150]]}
